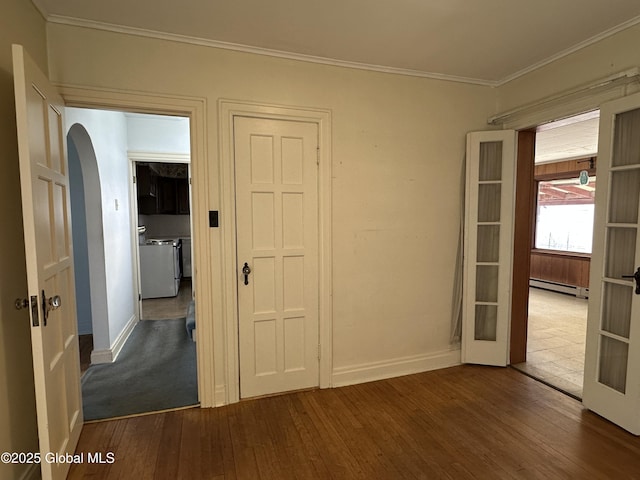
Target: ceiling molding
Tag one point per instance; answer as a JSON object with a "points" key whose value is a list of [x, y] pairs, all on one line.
{"points": [[571, 50], [581, 99], [42, 9], [140, 32], [79, 22]]}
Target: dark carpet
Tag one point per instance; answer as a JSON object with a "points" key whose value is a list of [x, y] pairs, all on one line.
{"points": [[155, 370]]}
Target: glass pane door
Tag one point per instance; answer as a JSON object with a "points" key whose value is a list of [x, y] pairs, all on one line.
{"points": [[488, 227], [611, 363]]}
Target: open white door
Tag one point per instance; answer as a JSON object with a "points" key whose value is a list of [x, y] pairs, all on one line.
{"points": [[47, 235], [612, 361], [488, 247]]}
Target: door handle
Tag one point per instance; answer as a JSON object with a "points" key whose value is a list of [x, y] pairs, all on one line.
{"points": [[636, 277], [246, 270], [48, 304]]}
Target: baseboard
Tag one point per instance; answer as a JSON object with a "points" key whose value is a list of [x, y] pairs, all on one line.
{"points": [[580, 292], [32, 472], [370, 372], [220, 396], [109, 355]]}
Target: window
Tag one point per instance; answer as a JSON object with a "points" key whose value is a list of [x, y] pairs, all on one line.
{"points": [[564, 219]]}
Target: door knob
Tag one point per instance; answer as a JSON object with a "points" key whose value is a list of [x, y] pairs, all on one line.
{"points": [[636, 277], [55, 302], [246, 270], [48, 304]]}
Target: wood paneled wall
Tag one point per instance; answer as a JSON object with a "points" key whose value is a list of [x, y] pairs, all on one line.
{"points": [[559, 267], [566, 169]]}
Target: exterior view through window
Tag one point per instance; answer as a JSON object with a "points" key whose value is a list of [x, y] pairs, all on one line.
{"points": [[564, 219]]}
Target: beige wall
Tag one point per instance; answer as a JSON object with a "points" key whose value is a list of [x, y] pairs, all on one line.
{"points": [[19, 23], [607, 57], [398, 146]]}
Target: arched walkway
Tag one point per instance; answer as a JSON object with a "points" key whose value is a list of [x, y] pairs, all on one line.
{"points": [[88, 237]]}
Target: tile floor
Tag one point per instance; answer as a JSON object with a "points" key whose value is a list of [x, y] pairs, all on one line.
{"points": [[556, 340]]}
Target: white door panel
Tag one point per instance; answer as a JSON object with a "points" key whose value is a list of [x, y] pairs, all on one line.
{"points": [[488, 247], [47, 234], [277, 237], [612, 361]]}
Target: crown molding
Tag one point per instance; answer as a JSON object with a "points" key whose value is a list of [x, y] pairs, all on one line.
{"points": [[565, 53], [42, 9], [140, 32]]}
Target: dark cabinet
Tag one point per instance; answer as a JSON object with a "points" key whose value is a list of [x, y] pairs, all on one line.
{"points": [[147, 181], [182, 196], [161, 195]]}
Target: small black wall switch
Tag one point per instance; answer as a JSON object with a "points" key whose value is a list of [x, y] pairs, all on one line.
{"points": [[213, 218]]}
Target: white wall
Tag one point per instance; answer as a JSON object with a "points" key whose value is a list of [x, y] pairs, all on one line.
{"points": [[170, 226], [19, 23], [397, 152], [154, 133], [108, 133]]}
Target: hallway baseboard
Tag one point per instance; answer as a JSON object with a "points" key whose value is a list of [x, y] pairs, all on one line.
{"points": [[108, 355]]}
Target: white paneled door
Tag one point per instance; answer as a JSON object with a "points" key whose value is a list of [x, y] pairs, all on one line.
{"points": [[488, 249], [277, 246], [47, 235], [612, 361]]}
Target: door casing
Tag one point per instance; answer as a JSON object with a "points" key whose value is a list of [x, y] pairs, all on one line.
{"points": [[227, 110], [195, 109]]}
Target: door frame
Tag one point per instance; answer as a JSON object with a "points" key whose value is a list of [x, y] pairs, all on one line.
{"points": [[227, 110], [566, 104], [195, 109], [140, 156]]}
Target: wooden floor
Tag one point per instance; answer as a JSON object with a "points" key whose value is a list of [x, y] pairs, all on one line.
{"points": [[459, 423], [169, 307]]}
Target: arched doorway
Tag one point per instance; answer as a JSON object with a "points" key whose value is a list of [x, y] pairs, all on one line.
{"points": [[88, 237]]}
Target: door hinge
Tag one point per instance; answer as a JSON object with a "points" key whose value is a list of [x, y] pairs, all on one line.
{"points": [[318, 155], [139, 297], [318, 351], [134, 179]]}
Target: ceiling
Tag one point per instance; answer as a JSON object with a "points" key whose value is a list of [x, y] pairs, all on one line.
{"points": [[568, 139], [487, 42]]}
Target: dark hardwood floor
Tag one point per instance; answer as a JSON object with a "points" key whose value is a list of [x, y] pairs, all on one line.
{"points": [[464, 422], [85, 343]]}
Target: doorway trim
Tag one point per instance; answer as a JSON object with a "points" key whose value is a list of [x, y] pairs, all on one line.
{"points": [[134, 157], [195, 109], [227, 110]]}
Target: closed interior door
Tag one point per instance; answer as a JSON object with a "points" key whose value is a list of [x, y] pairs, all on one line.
{"points": [[277, 243]]}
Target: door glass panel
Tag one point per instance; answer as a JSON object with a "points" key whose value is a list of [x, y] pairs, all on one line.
{"points": [[621, 252], [489, 202], [487, 283], [624, 194], [626, 142], [488, 243], [490, 161], [613, 363], [616, 309], [486, 322]]}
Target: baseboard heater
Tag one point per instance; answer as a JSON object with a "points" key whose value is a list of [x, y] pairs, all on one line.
{"points": [[580, 292]]}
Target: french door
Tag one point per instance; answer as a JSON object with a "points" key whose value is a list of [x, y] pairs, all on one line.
{"points": [[488, 249], [612, 361]]}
